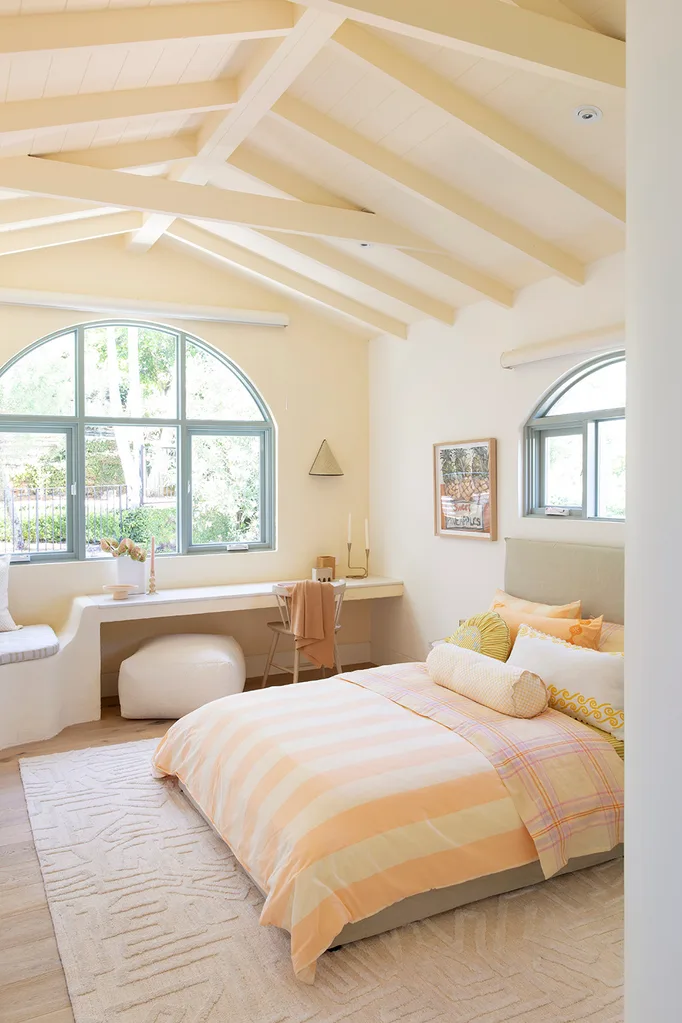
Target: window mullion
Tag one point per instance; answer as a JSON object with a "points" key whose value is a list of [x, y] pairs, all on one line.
{"points": [[589, 470], [183, 479]]}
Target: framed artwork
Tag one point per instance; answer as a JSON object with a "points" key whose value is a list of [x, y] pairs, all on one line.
{"points": [[465, 488]]}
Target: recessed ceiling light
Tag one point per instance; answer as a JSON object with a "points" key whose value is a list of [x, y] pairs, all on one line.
{"points": [[588, 115]]}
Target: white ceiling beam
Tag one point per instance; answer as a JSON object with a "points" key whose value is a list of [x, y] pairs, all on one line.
{"points": [[488, 125], [238, 19], [557, 10], [135, 307], [244, 259], [366, 274], [498, 31], [269, 73], [129, 155], [289, 181], [61, 111], [426, 186], [46, 237], [132, 191], [26, 212]]}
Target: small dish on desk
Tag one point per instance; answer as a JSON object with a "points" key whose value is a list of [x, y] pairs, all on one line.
{"points": [[119, 591]]}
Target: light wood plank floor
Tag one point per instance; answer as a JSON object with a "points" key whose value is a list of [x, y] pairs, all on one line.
{"points": [[32, 985]]}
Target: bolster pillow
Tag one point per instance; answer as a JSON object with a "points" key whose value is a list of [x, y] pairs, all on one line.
{"points": [[495, 684]]}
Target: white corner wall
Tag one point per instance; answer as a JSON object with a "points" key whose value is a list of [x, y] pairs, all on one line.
{"points": [[446, 384]]}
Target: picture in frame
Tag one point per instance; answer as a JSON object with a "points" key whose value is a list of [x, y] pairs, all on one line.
{"points": [[465, 489]]}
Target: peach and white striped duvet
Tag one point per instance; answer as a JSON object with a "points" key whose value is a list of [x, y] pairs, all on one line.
{"points": [[339, 801]]}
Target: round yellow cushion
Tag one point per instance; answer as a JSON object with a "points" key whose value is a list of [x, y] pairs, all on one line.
{"points": [[486, 634]]}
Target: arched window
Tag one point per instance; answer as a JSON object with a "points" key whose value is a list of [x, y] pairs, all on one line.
{"points": [[121, 428], [575, 444]]}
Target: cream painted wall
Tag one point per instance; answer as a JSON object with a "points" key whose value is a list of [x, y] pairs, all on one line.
{"points": [[446, 383], [313, 375]]}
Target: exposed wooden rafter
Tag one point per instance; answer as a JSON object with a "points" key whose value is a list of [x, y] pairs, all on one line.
{"points": [[426, 186], [68, 232], [236, 19], [271, 70], [60, 111], [132, 191], [129, 155], [499, 31], [26, 212], [481, 119], [245, 259]]}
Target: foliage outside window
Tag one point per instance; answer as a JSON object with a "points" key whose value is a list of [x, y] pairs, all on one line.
{"points": [[129, 429], [575, 444]]}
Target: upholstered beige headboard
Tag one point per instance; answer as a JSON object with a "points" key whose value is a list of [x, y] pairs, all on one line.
{"points": [[556, 573]]}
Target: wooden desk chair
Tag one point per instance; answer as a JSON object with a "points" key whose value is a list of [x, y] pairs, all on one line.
{"points": [[283, 628]]}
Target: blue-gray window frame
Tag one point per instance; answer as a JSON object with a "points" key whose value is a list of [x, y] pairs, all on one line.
{"points": [[74, 429], [540, 426]]}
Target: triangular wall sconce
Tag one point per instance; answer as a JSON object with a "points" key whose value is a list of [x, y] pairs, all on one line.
{"points": [[325, 464]]}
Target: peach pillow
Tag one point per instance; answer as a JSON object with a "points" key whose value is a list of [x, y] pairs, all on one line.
{"points": [[518, 604], [579, 632]]}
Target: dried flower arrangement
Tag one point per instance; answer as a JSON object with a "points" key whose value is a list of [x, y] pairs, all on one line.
{"points": [[126, 548]]}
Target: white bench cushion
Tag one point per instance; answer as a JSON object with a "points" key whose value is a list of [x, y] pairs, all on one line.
{"points": [[28, 644]]}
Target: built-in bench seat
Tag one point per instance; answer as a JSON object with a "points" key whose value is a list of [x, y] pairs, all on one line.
{"points": [[31, 643]]}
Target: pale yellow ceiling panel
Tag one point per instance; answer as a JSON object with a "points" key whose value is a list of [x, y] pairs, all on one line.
{"points": [[516, 190], [328, 79], [100, 69]]}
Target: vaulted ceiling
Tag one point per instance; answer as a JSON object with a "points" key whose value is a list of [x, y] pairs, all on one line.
{"points": [[389, 160]]}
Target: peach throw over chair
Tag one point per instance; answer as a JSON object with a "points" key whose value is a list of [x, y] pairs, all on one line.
{"points": [[291, 600]]}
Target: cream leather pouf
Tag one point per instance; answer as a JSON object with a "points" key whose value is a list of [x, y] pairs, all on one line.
{"points": [[173, 675]]}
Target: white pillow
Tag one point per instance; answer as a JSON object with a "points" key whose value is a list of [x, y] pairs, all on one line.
{"points": [[585, 684], [495, 684], [6, 621]]}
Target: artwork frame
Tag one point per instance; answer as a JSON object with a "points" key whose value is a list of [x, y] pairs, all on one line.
{"points": [[464, 468]]}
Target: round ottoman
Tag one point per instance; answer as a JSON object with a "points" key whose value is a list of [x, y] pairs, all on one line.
{"points": [[173, 675]]}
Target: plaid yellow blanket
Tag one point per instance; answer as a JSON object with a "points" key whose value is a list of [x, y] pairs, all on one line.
{"points": [[566, 780]]}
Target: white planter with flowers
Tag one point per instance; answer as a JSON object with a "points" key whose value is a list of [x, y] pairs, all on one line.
{"points": [[131, 567]]}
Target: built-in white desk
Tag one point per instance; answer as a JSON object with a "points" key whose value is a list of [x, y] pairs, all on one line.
{"points": [[208, 599], [40, 698]]}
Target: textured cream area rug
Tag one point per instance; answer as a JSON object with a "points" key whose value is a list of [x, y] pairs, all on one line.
{"points": [[157, 923]]}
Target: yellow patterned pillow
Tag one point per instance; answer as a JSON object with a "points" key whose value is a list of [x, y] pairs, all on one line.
{"points": [[502, 687], [585, 684], [486, 634]]}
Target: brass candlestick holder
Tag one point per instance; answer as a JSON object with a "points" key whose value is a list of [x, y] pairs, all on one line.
{"points": [[151, 588], [357, 572]]}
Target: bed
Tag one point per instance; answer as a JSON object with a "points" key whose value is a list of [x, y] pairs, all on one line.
{"points": [[364, 802]]}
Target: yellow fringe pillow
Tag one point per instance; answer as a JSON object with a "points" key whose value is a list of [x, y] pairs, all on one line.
{"points": [[486, 634]]}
